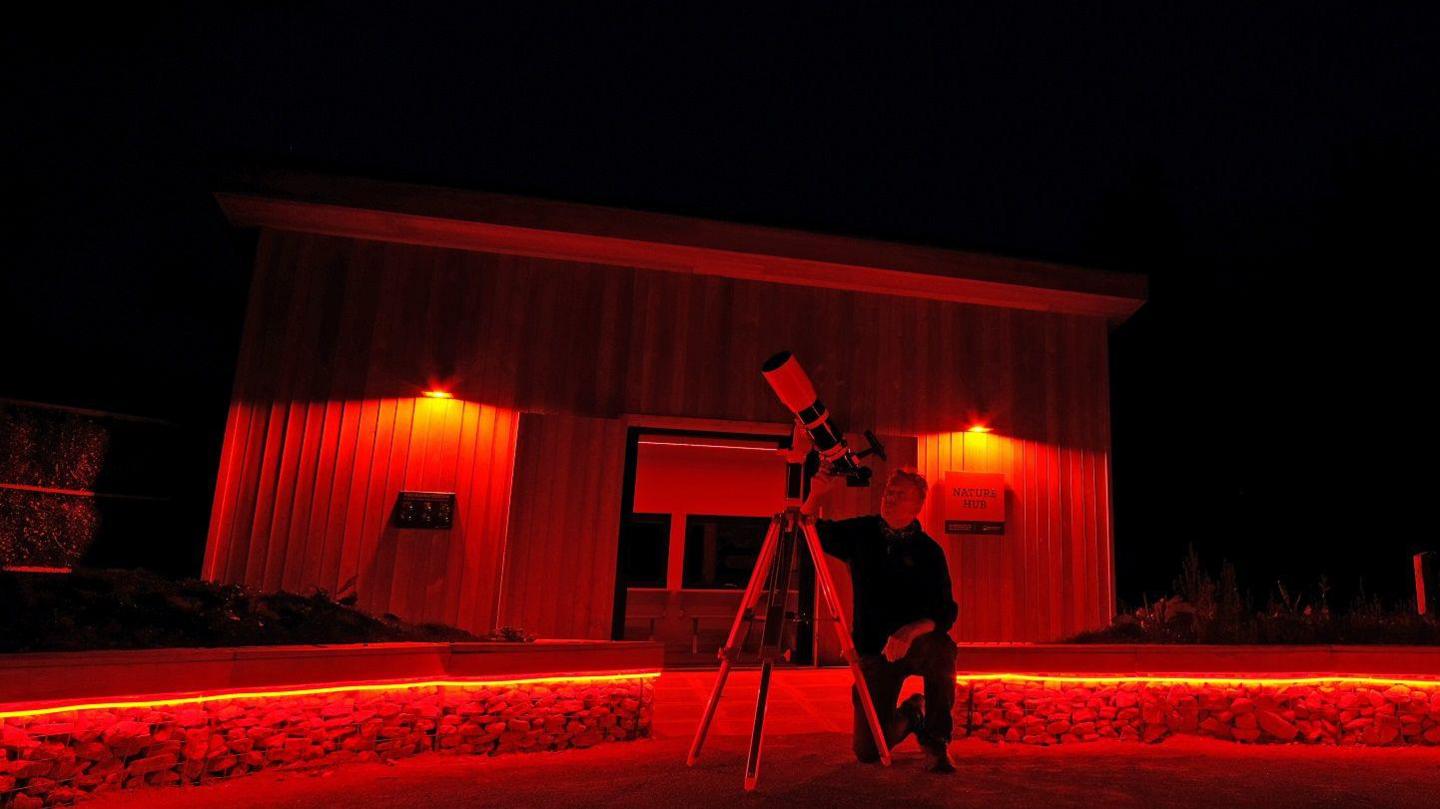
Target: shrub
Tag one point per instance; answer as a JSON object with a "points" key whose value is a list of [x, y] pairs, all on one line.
{"points": [[1206, 610], [136, 609]]}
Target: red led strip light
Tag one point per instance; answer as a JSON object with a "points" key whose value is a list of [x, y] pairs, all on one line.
{"points": [[327, 689]]}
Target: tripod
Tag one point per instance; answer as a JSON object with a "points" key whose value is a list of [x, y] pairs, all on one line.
{"points": [[772, 577]]}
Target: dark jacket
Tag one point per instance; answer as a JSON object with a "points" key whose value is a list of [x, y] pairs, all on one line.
{"points": [[898, 577]]}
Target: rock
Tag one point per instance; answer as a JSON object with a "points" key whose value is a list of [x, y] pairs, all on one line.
{"points": [[127, 738], [1152, 713], [1276, 725], [26, 802], [163, 778], [151, 764], [1214, 727], [31, 769], [16, 738], [1397, 693], [51, 729], [1378, 734], [40, 786], [93, 751], [190, 718]]}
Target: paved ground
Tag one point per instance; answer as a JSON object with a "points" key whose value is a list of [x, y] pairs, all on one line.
{"points": [[816, 770], [803, 768]]}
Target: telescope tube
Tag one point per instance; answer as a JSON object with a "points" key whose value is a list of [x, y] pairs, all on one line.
{"points": [[797, 393]]}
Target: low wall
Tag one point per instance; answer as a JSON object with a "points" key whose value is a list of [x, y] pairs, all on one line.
{"points": [[81, 723], [1054, 694]]}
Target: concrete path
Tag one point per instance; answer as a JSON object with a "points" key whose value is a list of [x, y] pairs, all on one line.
{"points": [[816, 770]]}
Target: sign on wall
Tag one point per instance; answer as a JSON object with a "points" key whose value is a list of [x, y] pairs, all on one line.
{"points": [[974, 503]]}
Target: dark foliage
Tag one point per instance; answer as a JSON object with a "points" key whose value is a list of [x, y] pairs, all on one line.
{"points": [[1207, 610], [135, 609]]}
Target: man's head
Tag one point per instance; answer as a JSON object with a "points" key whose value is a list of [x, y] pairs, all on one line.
{"points": [[904, 495]]}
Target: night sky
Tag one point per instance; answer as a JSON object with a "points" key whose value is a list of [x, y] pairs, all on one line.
{"points": [[1273, 171]]}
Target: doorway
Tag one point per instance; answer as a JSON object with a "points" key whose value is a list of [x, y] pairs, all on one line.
{"points": [[696, 507]]}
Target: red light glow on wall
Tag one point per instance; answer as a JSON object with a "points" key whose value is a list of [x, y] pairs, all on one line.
{"points": [[305, 491], [1052, 576]]}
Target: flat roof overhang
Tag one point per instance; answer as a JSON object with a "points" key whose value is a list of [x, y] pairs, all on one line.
{"points": [[497, 223]]}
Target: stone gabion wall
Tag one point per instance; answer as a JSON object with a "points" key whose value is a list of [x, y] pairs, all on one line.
{"points": [[1055, 712], [59, 758]]}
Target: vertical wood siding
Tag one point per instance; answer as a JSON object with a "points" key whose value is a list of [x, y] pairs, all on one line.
{"points": [[307, 489], [342, 334], [1049, 575], [564, 526]]}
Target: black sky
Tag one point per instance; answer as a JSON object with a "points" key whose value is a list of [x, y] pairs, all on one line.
{"points": [[1272, 169]]}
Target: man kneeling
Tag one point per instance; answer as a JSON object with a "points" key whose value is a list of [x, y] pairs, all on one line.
{"points": [[903, 609]]}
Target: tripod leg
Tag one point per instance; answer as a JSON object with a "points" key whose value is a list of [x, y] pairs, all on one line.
{"points": [[752, 760], [847, 645], [771, 643], [731, 648]]}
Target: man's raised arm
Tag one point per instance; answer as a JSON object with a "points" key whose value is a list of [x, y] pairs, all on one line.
{"points": [[837, 537]]}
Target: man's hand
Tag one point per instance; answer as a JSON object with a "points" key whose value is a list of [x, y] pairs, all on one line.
{"points": [[896, 647], [899, 643], [821, 484]]}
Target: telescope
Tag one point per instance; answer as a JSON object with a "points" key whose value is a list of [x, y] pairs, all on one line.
{"points": [[779, 559], [796, 392]]}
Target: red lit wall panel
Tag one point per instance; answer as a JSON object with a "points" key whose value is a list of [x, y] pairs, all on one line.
{"points": [[324, 482], [1049, 575]]}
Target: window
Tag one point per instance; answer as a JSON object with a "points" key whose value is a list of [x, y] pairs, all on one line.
{"points": [[720, 551], [645, 539]]}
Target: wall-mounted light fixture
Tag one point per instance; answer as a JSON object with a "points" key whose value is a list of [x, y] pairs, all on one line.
{"points": [[439, 394]]}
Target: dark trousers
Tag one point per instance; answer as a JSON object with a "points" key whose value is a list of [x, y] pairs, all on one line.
{"points": [[931, 656]]}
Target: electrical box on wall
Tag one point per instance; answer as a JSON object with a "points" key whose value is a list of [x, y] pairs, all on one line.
{"points": [[434, 510]]}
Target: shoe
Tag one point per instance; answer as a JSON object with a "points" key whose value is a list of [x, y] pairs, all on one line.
{"points": [[939, 760], [913, 709]]}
